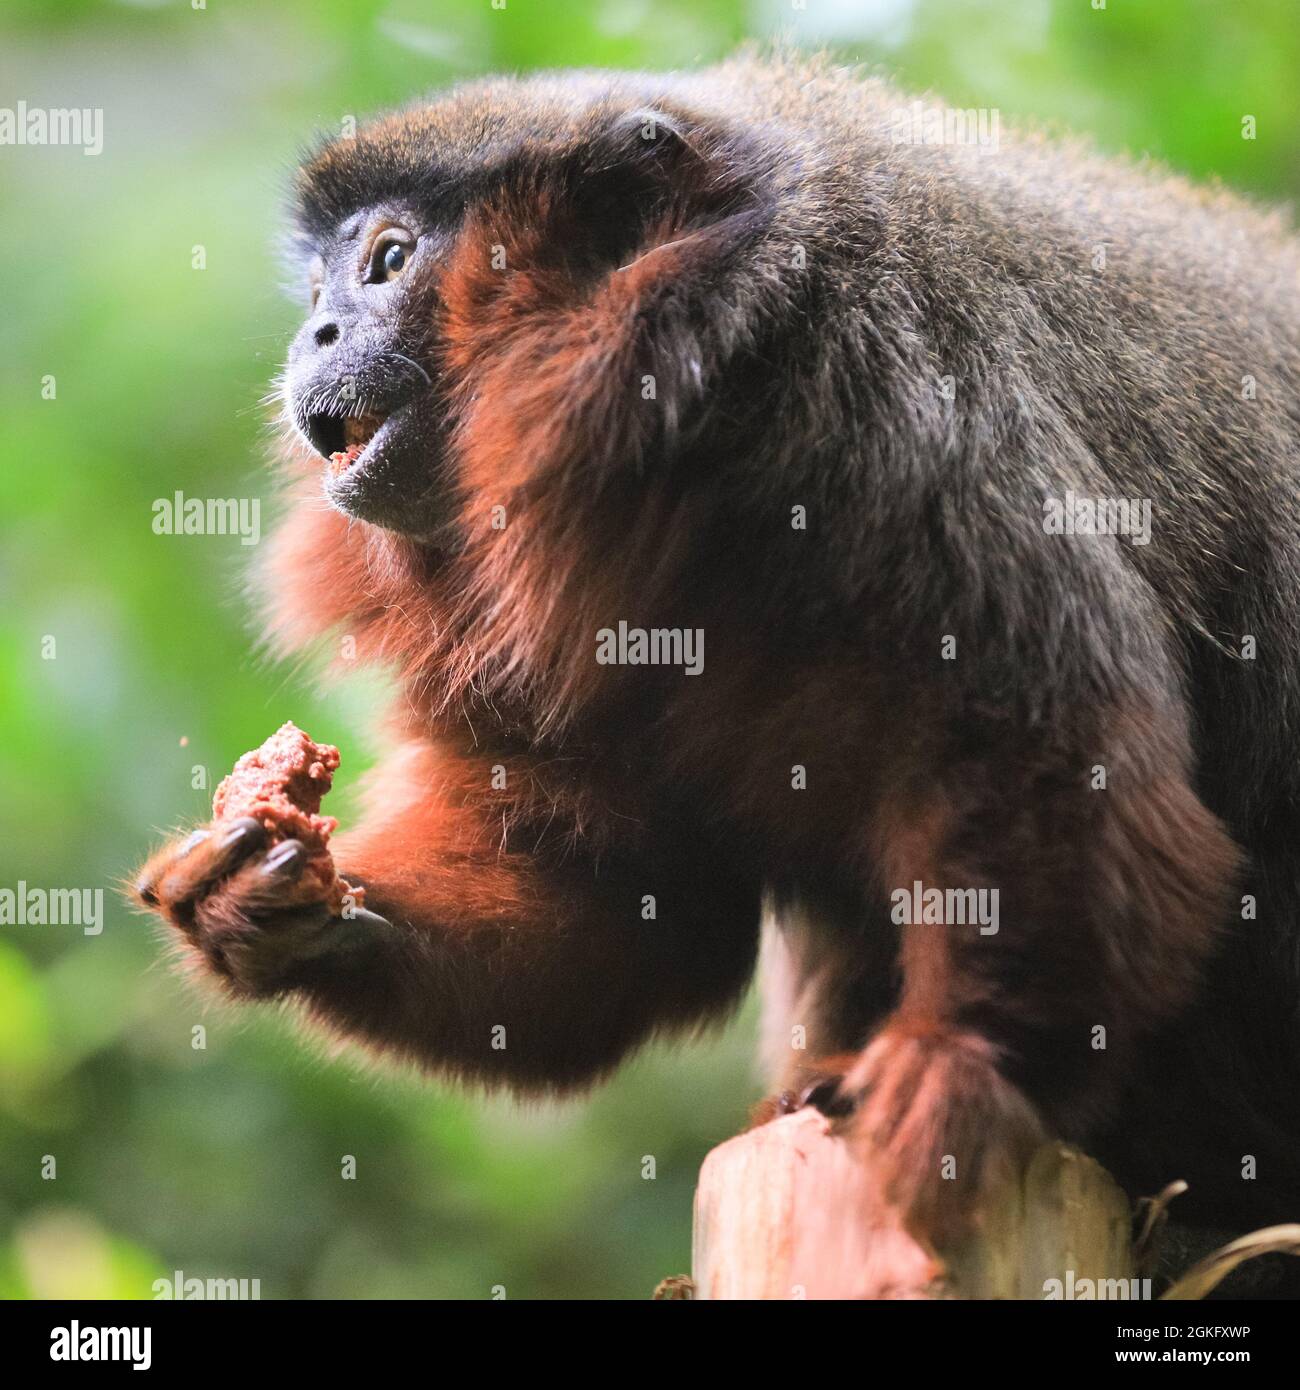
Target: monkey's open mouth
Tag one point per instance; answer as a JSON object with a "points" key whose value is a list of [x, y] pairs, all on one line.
{"points": [[379, 464], [342, 439]]}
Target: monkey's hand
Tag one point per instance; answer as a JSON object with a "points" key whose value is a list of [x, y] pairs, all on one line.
{"points": [[246, 910]]}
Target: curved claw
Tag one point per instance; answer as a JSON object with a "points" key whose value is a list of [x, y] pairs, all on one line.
{"points": [[318, 933], [286, 860], [235, 842], [827, 1095]]}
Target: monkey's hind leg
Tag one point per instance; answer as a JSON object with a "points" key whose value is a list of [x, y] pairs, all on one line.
{"points": [[1023, 1020]]}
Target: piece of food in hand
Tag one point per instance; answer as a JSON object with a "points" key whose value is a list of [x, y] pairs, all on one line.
{"points": [[281, 784]]}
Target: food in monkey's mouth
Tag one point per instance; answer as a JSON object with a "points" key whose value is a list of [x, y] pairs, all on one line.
{"points": [[281, 784], [357, 431], [341, 439]]}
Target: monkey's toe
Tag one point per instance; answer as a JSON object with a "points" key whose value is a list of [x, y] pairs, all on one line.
{"points": [[819, 1085], [828, 1095]]}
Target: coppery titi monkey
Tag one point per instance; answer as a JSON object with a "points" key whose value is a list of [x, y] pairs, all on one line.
{"points": [[723, 356]]}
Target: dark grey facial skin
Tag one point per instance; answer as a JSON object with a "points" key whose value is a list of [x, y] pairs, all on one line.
{"points": [[364, 353]]}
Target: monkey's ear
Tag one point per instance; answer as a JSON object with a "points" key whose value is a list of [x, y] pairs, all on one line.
{"points": [[646, 145], [589, 306], [649, 176], [653, 127], [648, 206]]}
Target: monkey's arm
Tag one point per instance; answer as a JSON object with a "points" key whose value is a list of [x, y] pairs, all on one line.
{"points": [[494, 944]]}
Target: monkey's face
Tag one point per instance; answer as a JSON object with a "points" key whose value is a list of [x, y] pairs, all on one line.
{"points": [[361, 373], [521, 286]]}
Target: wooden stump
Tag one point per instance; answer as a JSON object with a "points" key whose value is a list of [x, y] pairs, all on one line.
{"points": [[787, 1211]]}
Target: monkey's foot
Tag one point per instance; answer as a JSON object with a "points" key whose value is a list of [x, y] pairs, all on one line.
{"points": [[677, 1287], [818, 1084], [941, 1128]]}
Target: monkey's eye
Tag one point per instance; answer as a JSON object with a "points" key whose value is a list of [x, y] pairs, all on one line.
{"points": [[389, 254]]}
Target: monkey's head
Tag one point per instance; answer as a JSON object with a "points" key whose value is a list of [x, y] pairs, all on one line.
{"points": [[518, 281]]}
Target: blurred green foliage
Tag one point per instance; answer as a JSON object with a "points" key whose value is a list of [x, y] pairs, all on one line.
{"points": [[226, 1161]]}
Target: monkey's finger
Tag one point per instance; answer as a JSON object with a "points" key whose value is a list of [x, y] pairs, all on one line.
{"points": [[316, 932], [285, 862], [264, 889], [264, 953], [146, 883], [180, 873]]}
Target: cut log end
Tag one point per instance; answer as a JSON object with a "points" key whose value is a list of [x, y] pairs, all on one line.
{"points": [[788, 1210]]}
